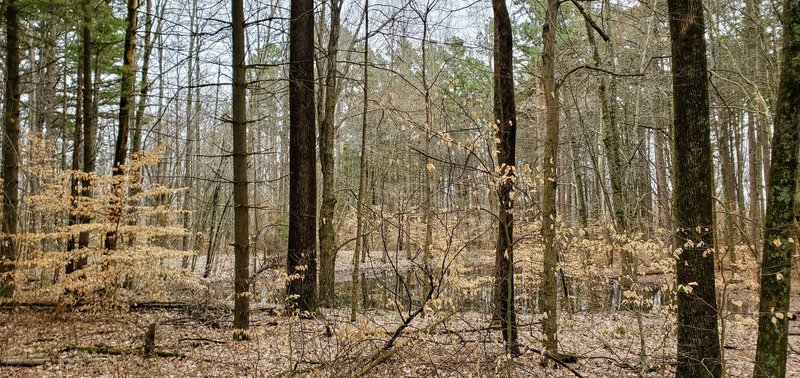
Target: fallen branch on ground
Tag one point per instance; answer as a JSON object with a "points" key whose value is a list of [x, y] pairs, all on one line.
{"points": [[112, 351], [559, 359], [24, 361], [199, 340]]}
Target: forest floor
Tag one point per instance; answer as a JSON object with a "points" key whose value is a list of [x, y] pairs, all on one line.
{"points": [[196, 341]]}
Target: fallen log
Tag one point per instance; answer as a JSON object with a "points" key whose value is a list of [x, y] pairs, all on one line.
{"points": [[112, 351], [24, 361]]}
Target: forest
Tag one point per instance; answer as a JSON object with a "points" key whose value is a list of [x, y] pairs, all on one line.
{"points": [[526, 188]]}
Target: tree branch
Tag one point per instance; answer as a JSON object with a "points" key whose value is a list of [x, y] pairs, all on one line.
{"points": [[590, 20]]}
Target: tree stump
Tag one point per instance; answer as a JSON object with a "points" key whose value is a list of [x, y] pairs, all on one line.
{"points": [[150, 340]]}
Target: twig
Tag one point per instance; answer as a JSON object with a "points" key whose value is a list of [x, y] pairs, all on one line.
{"points": [[388, 348], [202, 339], [590, 20], [488, 328]]}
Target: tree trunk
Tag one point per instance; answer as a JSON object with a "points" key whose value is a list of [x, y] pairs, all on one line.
{"points": [[612, 141], [644, 189], [327, 228], [10, 152], [89, 129], [728, 183], [362, 174], [580, 178], [698, 338], [754, 166], [77, 144], [550, 260], [241, 206], [773, 327], [161, 168], [505, 113], [662, 150], [144, 84], [428, 128], [186, 241], [121, 148], [302, 256], [136, 130]]}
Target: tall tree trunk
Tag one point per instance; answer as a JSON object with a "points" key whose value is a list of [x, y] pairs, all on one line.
{"points": [[773, 327], [327, 228], [121, 148], [144, 83], [505, 113], [644, 189], [43, 96], [428, 128], [612, 141], [362, 173], [136, 130], [212, 232], [302, 256], [739, 152], [10, 152], [241, 206], [77, 145], [89, 129], [665, 207], [580, 178], [549, 293], [188, 237], [662, 150], [161, 168], [754, 166], [698, 337], [728, 182]]}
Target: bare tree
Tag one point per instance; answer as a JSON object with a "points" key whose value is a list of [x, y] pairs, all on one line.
{"points": [[125, 107], [241, 243], [362, 173], [698, 336], [302, 256], [327, 228], [89, 128], [10, 151], [550, 259], [776, 266], [505, 114]]}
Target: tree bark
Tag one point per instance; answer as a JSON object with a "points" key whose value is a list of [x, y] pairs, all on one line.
{"points": [[612, 141], [428, 128], [10, 151], [327, 228], [728, 183], [241, 226], [188, 172], [89, 129], [662, 151], [781, 223], [144, 84], [362, 174], [505, 114], [549, 293], [644, 192], [302, 256], [754, 166], [121, 148], [77, 145], [698, 337]]}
